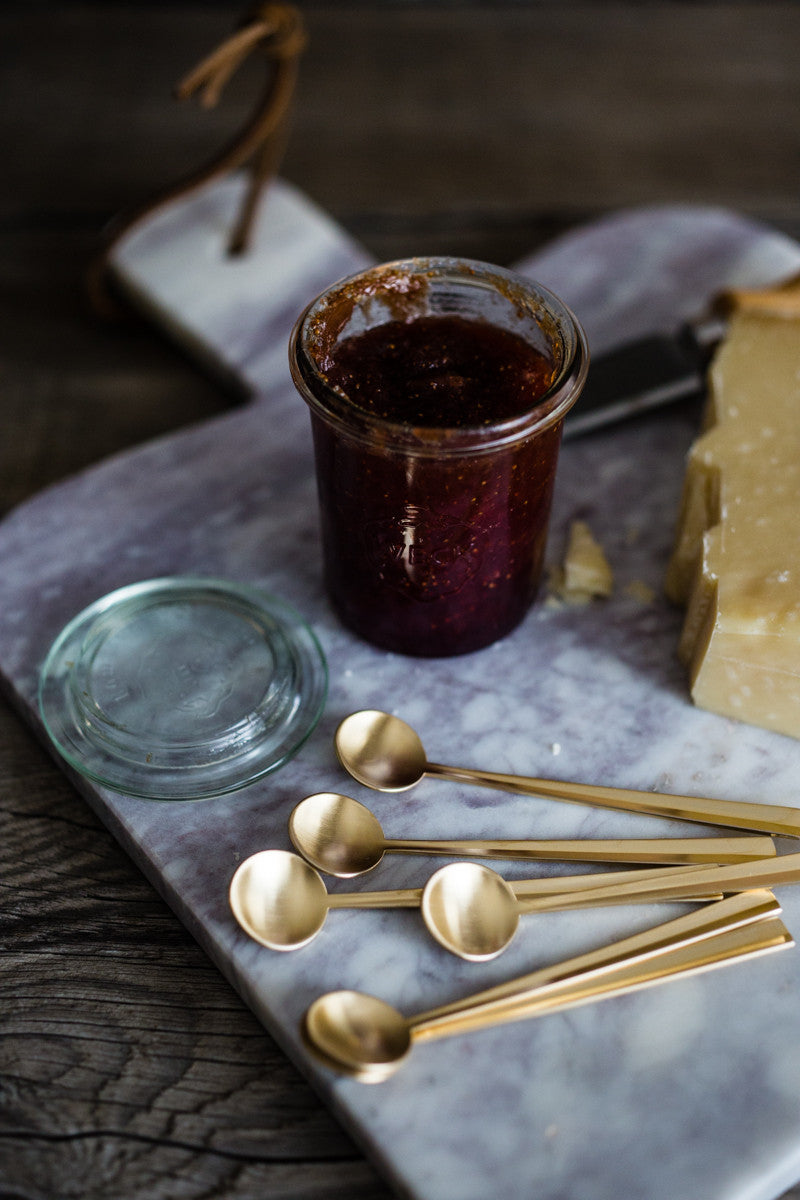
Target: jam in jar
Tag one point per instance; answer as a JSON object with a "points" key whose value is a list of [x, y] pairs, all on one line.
{"points": [[437, 390]]}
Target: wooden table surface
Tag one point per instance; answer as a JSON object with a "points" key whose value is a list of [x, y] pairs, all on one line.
{"points": [[128, 1067]]}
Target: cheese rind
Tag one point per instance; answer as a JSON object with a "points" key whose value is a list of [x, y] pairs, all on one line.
{"points": [[736, 559]]}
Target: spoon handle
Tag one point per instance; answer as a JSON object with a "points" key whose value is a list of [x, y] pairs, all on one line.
{"points": [[601, 897], [550, 885], [400, 898], [673, 885], [744, 942], [632, 850], [738, 814], [529, 892], [587, 976]]}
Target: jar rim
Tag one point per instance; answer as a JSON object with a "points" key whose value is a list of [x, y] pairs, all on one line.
{"points": [[396, 282]]}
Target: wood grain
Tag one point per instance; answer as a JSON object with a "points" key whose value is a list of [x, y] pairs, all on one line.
{"points": [[128, 1068]]}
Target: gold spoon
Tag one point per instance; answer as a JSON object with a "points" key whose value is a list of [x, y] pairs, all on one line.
{"points": [[340, 836], [368, 1038], [385, 753], [473, 912], [483, 921], [282, 902]]}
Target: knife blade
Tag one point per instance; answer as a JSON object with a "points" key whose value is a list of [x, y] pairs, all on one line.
{"points": [[644, 374]]}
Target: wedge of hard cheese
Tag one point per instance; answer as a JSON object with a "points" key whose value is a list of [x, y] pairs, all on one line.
{"points": [[736, 559]]}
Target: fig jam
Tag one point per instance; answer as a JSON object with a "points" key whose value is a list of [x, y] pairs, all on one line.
{"points": [[436, 438], [442, 372]]}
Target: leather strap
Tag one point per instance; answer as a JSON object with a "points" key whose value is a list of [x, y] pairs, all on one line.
{"points": [[277, 31]]}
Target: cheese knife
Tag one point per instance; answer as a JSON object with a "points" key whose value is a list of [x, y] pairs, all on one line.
{"points": [[644, 374]]}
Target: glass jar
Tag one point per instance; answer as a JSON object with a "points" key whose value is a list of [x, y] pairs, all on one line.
{"points": [[434, 531]]}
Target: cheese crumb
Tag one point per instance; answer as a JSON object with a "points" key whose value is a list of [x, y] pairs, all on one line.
{"points": [[585, 573], [641, 591]]}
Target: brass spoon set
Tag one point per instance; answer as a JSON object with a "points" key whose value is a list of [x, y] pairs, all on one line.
{"points": [[281, 901], [369, 1039]]}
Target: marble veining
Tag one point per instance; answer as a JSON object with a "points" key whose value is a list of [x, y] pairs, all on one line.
{"points": [[692, 1089]]}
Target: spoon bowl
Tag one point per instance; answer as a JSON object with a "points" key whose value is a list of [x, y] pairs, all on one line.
{"points": [[380, 751], [281, 901], [357, 1033], [278, 899], [337, 835], [470, 910]]}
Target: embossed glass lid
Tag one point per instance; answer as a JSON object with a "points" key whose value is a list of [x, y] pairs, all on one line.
{"points": [[182, 688]]}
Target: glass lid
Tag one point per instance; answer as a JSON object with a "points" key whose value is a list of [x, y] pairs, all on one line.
{"points": [[182, 688]]}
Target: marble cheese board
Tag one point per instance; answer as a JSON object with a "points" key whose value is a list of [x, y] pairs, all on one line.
{"points": [[691, 1089]]}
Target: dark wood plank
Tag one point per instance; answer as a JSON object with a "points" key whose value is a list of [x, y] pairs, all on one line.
{"points": [[423, 109], [128, 1067], [75, 389]]}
